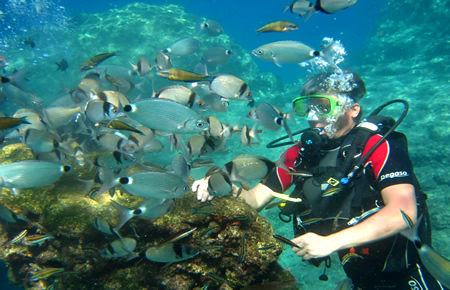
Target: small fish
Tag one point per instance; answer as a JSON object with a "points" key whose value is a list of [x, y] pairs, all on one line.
{"points": [[114, 97], [267, 247], [166, 115], [248, 136], [231, 88], [332, 191], [216, 55], [217, 278], [114, 160], [286, 241], [303, 8], [219, 184], [333, 6], [119, 125], [91, 81], [98, 110], [273, 204], [35, 239], [242, 247], [206, 209], [246, 167], [215, 103], [181, 95], [19, 237], [164, 185], [171, 252], [8, 215], [174, 74], [142, 67], [271, 118], [278, 26], [347, 257], [63, 65], [40, 141], [151, 208], [311, 221], [300, 173], [163, 61], [95, 60], [105, 227], [60, 116], [212, 27], [30, 42], [205, 233], [178, 236], [45, 273], [286, 51], [435, 263], [183, 46], [8, 124], [121, 248], [30, 173]]}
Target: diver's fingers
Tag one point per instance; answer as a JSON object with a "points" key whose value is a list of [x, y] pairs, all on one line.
{"points": [[201, 188]]}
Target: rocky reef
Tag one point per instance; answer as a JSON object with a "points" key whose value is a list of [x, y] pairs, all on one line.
{"points": [[235, 243]]}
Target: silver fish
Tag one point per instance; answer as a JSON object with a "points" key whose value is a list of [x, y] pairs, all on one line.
{"points": [[182, 95], [91, 81], [163, 61], [151, 208], [30, 173], [219, 184], [40, 141], [142, 67], [435, 263], [22, 98], [301, 7], [171, 252], [97, 111], [216, 55], [287, 51], [231, 88], [121, 248], [212, 27], [245, 167], [163, 185], [248, 136], [60, 116], [215, 103], [112, 97], [105, 227], [333, 6], [114, 160], [167, 116], [183, 46]]}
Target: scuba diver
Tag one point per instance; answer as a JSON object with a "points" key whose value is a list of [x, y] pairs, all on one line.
{"points": [[356, 183]]}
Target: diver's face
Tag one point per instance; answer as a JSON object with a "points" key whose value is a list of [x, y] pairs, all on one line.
{"points": [[335, 128]]}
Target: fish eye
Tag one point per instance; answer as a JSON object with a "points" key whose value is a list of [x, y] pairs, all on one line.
{"points": [[200, 124], [137, 211], [278, 121], [260, 51], [186, 188]]}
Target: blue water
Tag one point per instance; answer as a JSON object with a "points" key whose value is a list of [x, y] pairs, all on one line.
{"points": [[352, 26], [406, 61]]}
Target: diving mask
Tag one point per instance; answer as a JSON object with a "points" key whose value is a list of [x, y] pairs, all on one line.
{"points": [[321, 104]]}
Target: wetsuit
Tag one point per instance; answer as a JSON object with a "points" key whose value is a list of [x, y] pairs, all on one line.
{"points": [[391, 263]]}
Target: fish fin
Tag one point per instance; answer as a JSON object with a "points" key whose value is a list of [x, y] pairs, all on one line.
{"points": [[308, 14], [254, 133], [275, 59], [288, 131], [108, 182], [280, 162], [18, 79], [125, 214], [132, 256]]}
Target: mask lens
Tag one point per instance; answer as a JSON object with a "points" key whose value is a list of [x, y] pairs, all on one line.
{"points": [[322, 105]]}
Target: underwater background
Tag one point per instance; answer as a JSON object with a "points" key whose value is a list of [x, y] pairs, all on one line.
{"points": [[400, 48]]}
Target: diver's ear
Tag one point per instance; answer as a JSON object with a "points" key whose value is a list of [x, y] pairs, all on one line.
{"points": [[355, 110]]}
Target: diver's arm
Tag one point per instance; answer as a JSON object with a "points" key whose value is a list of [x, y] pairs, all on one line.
{"points": [[257, 197], [385, 223]]}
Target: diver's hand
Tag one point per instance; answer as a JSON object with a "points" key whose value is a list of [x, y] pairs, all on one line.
{"points": [[313, 246], [201, 188]]}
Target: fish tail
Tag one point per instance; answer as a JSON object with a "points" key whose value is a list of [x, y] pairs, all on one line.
{"points": [[124, 215]]}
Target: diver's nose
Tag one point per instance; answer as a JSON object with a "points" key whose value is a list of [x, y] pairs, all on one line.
{"points": [[312, 115]]}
